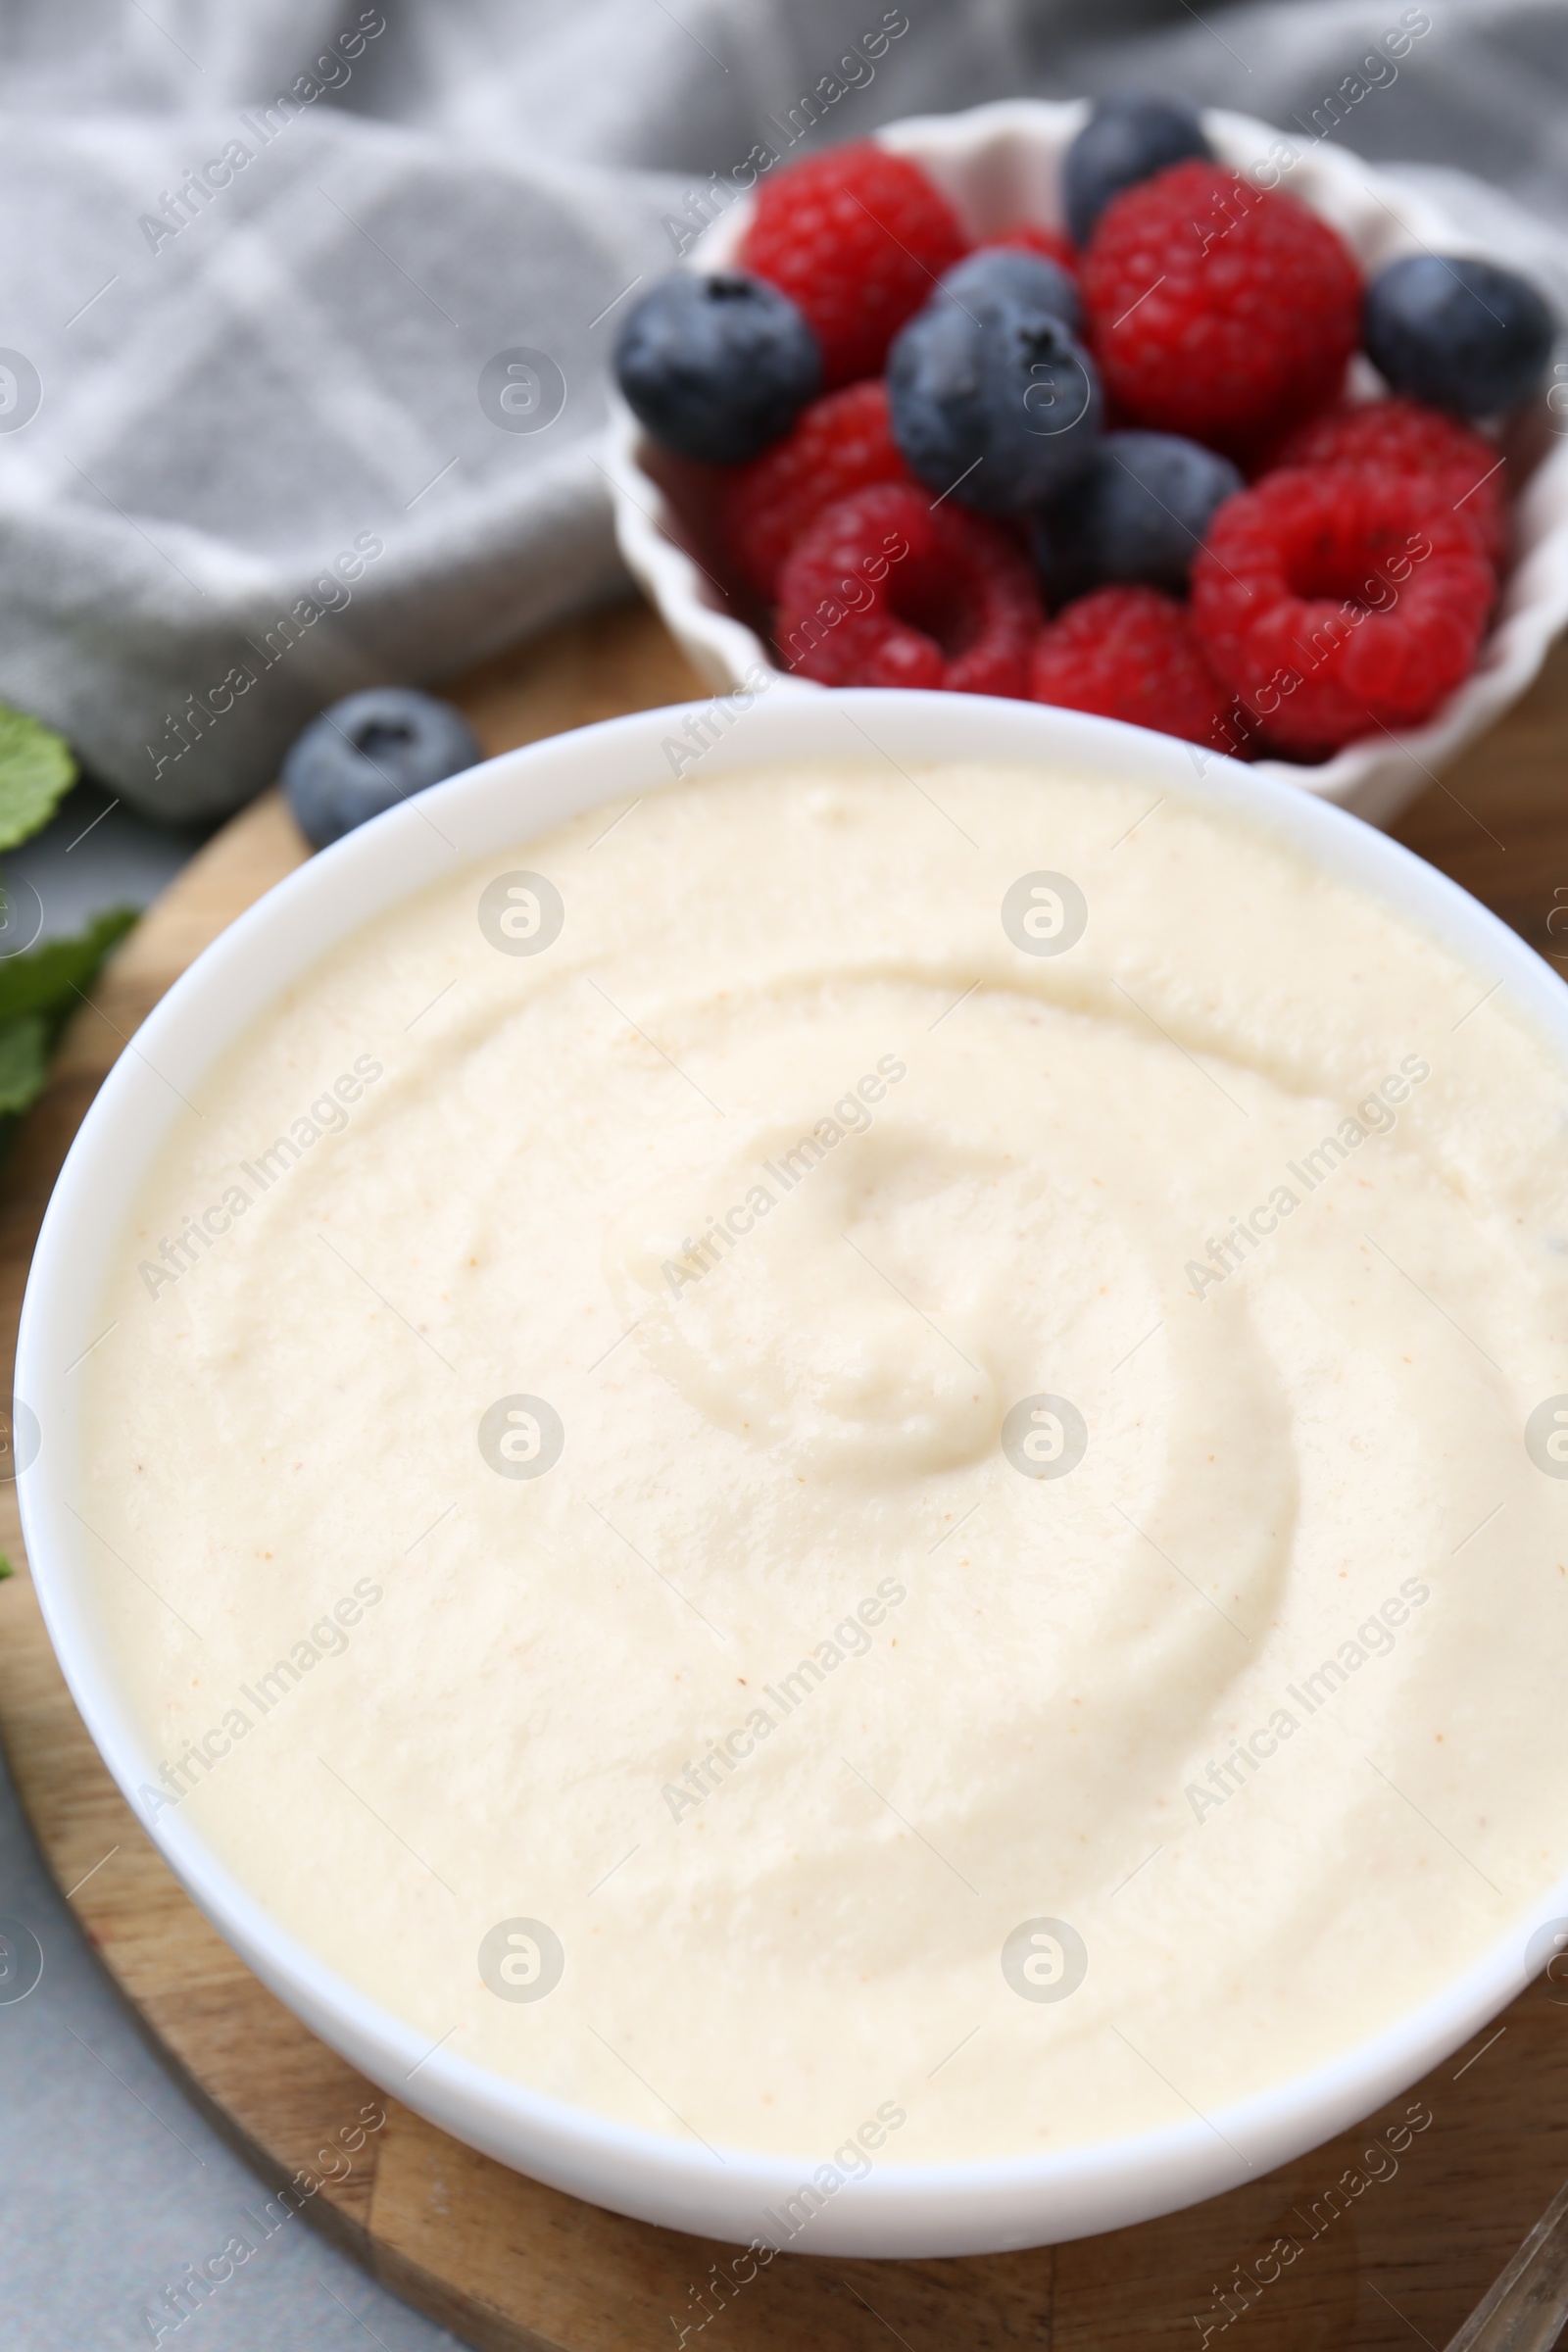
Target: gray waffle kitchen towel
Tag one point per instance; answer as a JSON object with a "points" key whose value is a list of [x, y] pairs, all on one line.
{"points": [[305, 306]]}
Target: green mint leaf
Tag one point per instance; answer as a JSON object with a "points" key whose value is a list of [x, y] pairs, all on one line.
{"points": [[23, 1060], [36, 771], [53, 979], [38, 994]]}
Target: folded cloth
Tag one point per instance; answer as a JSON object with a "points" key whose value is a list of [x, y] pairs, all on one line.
{"points": [[307, 306]]}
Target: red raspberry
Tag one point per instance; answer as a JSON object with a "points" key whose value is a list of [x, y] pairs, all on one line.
{"points": [[887, 590], [856, 237], [1217, 309], [1400, 436], [1338, 599], [1130, 653], [841, 443], [1031, 236]]}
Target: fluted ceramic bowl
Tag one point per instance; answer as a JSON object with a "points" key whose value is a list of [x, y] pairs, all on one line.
{"points": [[1001, 164]]}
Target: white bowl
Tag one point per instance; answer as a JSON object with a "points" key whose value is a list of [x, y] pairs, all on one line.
{"points": [[918, 2210], [1002, 163]]}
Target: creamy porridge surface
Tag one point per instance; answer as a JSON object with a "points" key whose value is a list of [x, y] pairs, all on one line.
{"points": [[846, 1469]]}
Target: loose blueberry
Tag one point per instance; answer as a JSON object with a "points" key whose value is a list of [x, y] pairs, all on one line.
{"points": [[1460, 334], [998, 405], [717, 368], [1002, 272], [1138, 513], [368, 752], [1125, 140]]}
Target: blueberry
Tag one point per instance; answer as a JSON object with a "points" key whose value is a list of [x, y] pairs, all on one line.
{"points": [[368, 752], [717, 368], [1136, 513], [995, 402], [1008, 273], [1125, 139], [1461, 334]]}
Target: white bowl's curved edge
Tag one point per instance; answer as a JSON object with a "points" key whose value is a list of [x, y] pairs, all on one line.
{"points": [[925, 2210], [1017, 145]]}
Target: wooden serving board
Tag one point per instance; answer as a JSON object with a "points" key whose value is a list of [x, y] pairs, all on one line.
{"points": [[1420, 2220]]}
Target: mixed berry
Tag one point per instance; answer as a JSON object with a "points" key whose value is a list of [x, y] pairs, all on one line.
{"points": [[369, 752], [887, 589], [1115, 470]]}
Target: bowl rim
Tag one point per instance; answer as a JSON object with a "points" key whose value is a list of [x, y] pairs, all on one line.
{"points": [[932, 2209], [1375, 776]]}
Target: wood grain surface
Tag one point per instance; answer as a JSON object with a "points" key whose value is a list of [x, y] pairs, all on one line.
{"points": [[1429, 2196]]}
